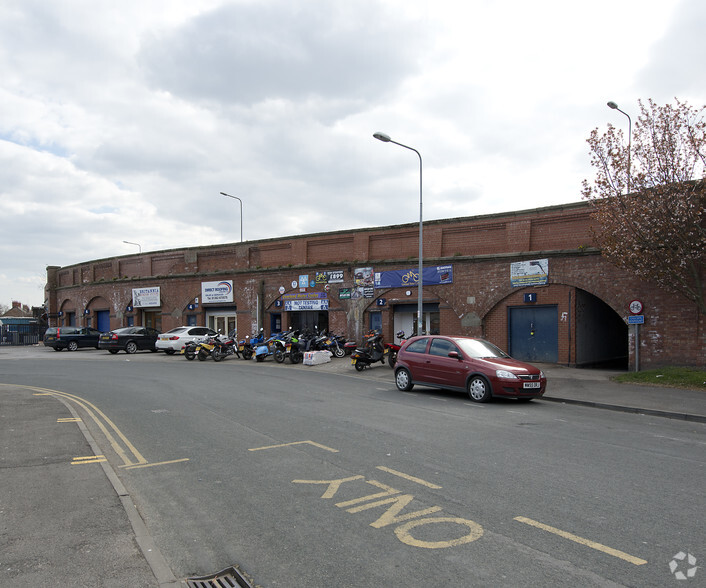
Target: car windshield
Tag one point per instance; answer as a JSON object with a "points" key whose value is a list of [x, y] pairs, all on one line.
{"points": [[478, 348]]}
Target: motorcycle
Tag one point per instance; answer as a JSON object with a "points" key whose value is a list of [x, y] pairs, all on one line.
{"points": [[245, 347], [223, 348], [394, 348], [201, 348], [372, 351], [288, 345]]}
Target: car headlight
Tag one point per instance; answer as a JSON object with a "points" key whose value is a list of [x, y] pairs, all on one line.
{"points": [[505, 375]]}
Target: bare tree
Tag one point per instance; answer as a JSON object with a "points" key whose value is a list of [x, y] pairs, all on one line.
{"points": [[658, 230]]}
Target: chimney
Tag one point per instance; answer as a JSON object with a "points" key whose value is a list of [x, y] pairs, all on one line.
{"points": [[16, 304]]}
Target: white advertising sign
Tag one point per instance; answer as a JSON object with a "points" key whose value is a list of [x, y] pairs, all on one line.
{"points": [[529, 273], [145, 297], [217, 291], [295, 305]]}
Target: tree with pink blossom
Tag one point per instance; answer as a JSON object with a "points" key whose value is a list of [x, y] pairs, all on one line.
{"points": [[649, 197]]}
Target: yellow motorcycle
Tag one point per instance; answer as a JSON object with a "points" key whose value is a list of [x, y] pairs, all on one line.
{"points": [[201, 349]]}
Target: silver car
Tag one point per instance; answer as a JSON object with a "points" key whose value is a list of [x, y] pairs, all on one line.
{"points": [[173, 341]]}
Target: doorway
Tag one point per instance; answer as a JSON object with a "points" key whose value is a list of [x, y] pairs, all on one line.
{"points": [[533, 333]]}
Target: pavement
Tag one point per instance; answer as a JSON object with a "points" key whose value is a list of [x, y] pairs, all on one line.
{"points": [[50, 463]]}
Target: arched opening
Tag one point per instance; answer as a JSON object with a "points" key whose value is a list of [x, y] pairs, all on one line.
{"points": [[601, 334]]}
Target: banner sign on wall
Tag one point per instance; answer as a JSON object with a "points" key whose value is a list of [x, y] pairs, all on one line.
{"points": [[305, 296], [529, 273], [145, 297], [297, 305], [432, 276], [334, 277], [217, 291]]}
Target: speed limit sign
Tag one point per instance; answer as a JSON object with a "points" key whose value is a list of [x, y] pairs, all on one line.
{"points": [[635, 307]]}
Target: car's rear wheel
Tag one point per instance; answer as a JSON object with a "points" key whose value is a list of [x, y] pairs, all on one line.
{"points": [[57, 348], [112, 351], [403, 380], [131, 347], [479, 389], [72, 346]]}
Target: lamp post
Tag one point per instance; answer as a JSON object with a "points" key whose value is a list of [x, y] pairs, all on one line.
{"points": [[241, 213], [614, 106], [420, 307], [131, 243]]}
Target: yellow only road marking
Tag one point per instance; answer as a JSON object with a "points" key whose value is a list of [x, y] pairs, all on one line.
{"points": [[587, 542], [68, 420], [295, 443], [410, 478]]}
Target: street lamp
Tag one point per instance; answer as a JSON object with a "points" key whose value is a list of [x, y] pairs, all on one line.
{"points": [[131, 243], [241, 213], [420, 307], [614, 106]]}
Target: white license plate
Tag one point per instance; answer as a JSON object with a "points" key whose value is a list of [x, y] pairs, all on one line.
{"points": [[532, 385]]}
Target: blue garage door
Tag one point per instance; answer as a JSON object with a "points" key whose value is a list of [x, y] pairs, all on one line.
{"points": [[534, 333], [103, 320]]}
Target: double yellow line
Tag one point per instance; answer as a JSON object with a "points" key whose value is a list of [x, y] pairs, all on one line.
{"points": [[122, 446]]}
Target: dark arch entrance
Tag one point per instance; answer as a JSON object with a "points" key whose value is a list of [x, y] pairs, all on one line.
{"points": [[601, 334]]}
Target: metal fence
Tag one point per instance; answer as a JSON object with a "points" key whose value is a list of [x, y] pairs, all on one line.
{"points": [[20, 334]]}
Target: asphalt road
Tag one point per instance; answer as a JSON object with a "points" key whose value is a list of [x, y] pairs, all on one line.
{"points": [[310, 478]]}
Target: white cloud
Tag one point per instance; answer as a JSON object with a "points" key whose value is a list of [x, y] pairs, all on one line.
{"points": [[125, 122]]}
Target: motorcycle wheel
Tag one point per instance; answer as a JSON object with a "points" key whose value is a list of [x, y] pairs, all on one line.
{"points": [[260, 357], [392, 360], [295, 356], [279, 356], [190, 354], [217, 355], [247, 354], [339, 352], [202, 355], [360, 366]]}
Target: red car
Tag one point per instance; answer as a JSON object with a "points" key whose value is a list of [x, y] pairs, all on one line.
{"points": [[474, 366]]}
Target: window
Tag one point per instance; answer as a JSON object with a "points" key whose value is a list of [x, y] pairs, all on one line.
{"points": [[418, 346], [442, 347]]}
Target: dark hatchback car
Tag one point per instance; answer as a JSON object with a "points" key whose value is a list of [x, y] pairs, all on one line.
{"points": [[474, 366], [71, 338], [129, 339]]}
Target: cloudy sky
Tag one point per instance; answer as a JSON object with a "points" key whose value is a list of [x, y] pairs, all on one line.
{"points": [[123, 121]]}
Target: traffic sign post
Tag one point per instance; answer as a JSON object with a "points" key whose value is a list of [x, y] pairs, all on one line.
{"points": [[635, 307]]}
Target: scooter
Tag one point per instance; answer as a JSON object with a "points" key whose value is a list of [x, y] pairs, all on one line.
{"points": [[373, 351], [267, 348]]}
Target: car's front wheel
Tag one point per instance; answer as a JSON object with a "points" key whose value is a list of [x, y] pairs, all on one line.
{"points": [[403, 380], [479, 389], [131, 347]]}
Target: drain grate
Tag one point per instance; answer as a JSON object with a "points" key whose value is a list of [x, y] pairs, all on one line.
{"points": [[228, 578]]}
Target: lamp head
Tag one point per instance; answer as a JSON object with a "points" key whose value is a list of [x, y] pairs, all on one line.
{"points": [[382, 137], [612, 105]]}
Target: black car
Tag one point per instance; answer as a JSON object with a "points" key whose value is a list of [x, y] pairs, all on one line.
{"points": [[129, 339], [71, 338]]}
